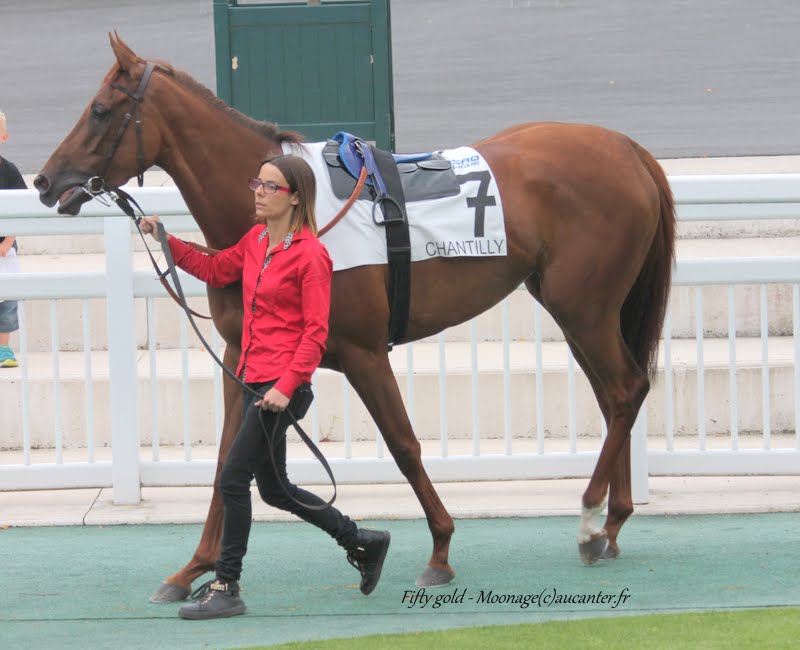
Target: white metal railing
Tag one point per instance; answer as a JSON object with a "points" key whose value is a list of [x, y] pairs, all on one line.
{"points": [[699, 198]]}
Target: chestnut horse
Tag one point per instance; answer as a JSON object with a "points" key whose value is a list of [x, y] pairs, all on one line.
{"points": [[590, 224]]}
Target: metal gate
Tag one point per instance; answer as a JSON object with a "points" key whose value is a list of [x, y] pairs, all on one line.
{"points": [[314, 67]]}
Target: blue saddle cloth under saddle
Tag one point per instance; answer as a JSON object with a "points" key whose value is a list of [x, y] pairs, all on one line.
{"points": [[422, 175]]}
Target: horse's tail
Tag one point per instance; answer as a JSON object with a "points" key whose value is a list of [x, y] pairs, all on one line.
{"points": [[644, 309]]}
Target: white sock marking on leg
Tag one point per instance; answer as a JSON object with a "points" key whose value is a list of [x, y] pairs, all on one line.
{"points": [[588, 525]]}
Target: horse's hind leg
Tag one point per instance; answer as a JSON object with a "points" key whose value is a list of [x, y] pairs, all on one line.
{"points": [[371, 376], [625, 385], [620, 502], [620, 387]]}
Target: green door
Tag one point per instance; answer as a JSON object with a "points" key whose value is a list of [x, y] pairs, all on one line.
{"points": [[314, 68]]}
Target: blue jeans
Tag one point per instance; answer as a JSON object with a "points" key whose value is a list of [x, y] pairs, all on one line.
{"points": [[8, 316], [248, 458]]}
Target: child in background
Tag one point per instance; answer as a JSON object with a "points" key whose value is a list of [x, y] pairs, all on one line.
{"points": [[10, 179]]}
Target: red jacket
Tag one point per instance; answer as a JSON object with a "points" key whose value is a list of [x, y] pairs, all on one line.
{"points": [[286, 301]]}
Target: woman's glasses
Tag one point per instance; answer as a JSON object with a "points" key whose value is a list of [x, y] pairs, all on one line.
{"points": [[268, 186]]}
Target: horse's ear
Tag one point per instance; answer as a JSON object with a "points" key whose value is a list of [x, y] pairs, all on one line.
{"points": [[126, 57]]}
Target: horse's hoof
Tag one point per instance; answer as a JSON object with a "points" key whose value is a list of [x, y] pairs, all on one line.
{"points": [[432, 577], [169, 593], [594, 549], [610, 553]]}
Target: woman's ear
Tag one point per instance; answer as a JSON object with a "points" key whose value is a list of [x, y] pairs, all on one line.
{"points": [[295, 199]]}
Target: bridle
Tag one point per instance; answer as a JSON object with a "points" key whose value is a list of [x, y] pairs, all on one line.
{"points": [[96, 185], [97, 188]]}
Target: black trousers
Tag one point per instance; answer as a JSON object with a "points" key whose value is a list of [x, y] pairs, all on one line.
{"points": [[248, 458]]}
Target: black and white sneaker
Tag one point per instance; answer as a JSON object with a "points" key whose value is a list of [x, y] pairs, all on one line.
{"points": [[214, 599], [367, 555]]}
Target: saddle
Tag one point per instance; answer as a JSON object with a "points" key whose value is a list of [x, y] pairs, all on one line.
{"points": [[391, 181], [423, 176]]}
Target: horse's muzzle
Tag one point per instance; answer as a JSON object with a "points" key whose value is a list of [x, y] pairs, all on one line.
{"points": [[67, 194]]}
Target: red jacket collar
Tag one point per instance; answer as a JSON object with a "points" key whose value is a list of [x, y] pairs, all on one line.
{"points": [[304, 233]]}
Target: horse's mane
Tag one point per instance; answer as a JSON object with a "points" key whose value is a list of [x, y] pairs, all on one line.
{"points": [[267, 129]]}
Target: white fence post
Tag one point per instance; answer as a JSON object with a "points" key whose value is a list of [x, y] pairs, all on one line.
{"points": [[122, 361]]}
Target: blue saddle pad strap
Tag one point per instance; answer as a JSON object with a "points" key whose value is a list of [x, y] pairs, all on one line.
{"points": [[411, 157], [372, 170], [348, 153], [355, 156]]}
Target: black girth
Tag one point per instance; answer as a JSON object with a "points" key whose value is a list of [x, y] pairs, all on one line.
{"points": [[388, 195], [398, 244]]}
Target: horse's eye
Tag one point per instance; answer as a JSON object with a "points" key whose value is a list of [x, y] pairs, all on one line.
{"points": [[99, 111]]}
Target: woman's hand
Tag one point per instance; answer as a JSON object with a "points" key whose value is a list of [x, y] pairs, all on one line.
{"points": [[149, 227], [274, 401]]}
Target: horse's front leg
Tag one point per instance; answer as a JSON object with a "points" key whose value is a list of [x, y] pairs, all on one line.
{"points": [[178, 586], [371, 376]]}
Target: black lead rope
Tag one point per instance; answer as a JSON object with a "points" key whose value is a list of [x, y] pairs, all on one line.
{"points": [[162, 238], [309, 443], [124, 200]]}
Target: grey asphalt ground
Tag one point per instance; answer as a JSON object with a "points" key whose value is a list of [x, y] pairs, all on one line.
{"points": [[683, 78]]}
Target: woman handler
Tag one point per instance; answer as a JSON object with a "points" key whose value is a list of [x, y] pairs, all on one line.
{"points": [[286, 277]]}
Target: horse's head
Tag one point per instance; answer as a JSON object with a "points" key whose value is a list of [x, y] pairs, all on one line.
{"points": [[116, 137]]}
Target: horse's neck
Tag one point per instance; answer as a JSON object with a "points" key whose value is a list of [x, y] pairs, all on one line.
{"points": [[210, 157]]}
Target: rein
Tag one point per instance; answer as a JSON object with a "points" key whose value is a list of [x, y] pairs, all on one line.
{"points": [[362, 179], [123, 200], [162, 238], [97, 188]]}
